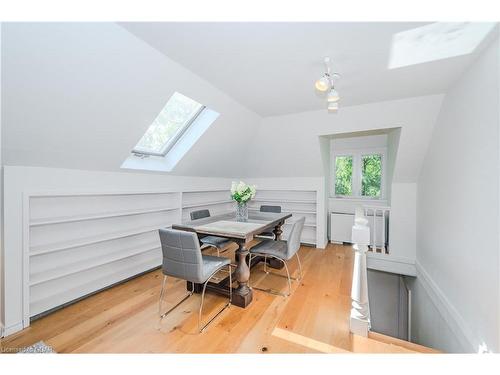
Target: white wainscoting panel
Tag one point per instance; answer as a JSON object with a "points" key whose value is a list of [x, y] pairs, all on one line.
{"points": [[298, 203], [216, 201], [80, 243]]}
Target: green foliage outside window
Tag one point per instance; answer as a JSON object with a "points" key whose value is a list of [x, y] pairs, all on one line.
{"points": [[172, 119], [371, 175], [343, 175]]}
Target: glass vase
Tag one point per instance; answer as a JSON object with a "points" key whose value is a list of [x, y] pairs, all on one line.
{"points": [[241, 211]]}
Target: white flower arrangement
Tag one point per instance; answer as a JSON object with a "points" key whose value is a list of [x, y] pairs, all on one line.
{"points": [[241, 192]]}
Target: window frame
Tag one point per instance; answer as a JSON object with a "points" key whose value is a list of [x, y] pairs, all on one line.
{"points": [[173, 141], [357, 172]]}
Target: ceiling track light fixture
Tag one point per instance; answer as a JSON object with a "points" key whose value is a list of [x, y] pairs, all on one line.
{"points": [[325, 87]]}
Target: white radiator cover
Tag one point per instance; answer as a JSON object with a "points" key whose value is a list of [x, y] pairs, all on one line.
{"points": [[341, 226]]}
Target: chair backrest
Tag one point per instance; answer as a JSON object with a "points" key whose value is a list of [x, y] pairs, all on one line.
{"points": [[276, 209], [200, 214], [181, 255], [293, 243]]}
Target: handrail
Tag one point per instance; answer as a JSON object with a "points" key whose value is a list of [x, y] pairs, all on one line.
{"points": [[360, 311]]}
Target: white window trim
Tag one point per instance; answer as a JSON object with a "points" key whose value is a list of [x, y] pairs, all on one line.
{"points": [[168, 162], [357, 154]]}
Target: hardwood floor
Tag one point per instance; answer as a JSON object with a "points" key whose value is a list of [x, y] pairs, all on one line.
{"points": [[124, 319]]}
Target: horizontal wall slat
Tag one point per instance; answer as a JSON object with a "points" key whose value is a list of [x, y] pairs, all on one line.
{"points": [[203, 204], [70, 219], [45, 208], [192, 199], [60, 291]]}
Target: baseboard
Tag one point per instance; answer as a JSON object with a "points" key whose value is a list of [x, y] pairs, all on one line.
{"points": [[7, 331], [448, 312], [323, 245]]}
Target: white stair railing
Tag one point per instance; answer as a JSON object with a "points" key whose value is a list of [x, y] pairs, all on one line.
{"points": [[378, 239], [360, 311]]}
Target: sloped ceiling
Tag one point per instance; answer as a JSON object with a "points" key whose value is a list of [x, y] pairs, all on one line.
{"points": [[80, 95], [271, 67]]}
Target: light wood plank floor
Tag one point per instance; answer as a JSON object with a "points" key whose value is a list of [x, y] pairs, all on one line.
{"points": [[124, 319]]}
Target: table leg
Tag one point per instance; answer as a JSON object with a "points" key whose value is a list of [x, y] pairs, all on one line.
{"points": [[242, 296], [277, 232], [272, 262]]}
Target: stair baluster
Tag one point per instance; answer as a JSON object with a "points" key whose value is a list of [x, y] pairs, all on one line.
{"points": [[360, 311]]}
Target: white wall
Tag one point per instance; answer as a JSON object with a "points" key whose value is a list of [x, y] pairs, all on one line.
{"points": [[403, 222], [80, 95], [392, 152], [288, 145], [498, 72], [1, 196], [428, 325], [458, 211], [359, 142]]}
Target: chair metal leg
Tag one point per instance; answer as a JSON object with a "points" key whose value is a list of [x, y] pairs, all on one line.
{"points": [[300, 266], [200, 328], [288, 277], [219, 250], [164, 283]]}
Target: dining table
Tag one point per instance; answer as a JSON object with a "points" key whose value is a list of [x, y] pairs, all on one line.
{"points": [[243, 233]]}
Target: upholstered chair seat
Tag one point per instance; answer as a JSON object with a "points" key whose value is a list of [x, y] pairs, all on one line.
{"points": [[219, 243], [281, 250], [271, 247]]}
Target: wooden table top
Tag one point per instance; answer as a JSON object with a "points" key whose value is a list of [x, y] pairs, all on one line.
{"points": [[225, 225]]}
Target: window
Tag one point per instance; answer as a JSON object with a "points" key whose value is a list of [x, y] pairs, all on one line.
{"points": [[359, 173], [169, 126], [371, 175], [343, 175]]}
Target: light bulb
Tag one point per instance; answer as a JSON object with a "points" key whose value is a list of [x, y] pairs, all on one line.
{"points": [[323, 84], [333, 107], [333, 96]]}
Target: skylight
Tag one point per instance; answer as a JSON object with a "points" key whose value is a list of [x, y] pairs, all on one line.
{"points": [[436, 41], [169, 126]]}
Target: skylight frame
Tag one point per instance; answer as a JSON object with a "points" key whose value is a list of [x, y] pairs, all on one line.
{"points": [[173, 141]]}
